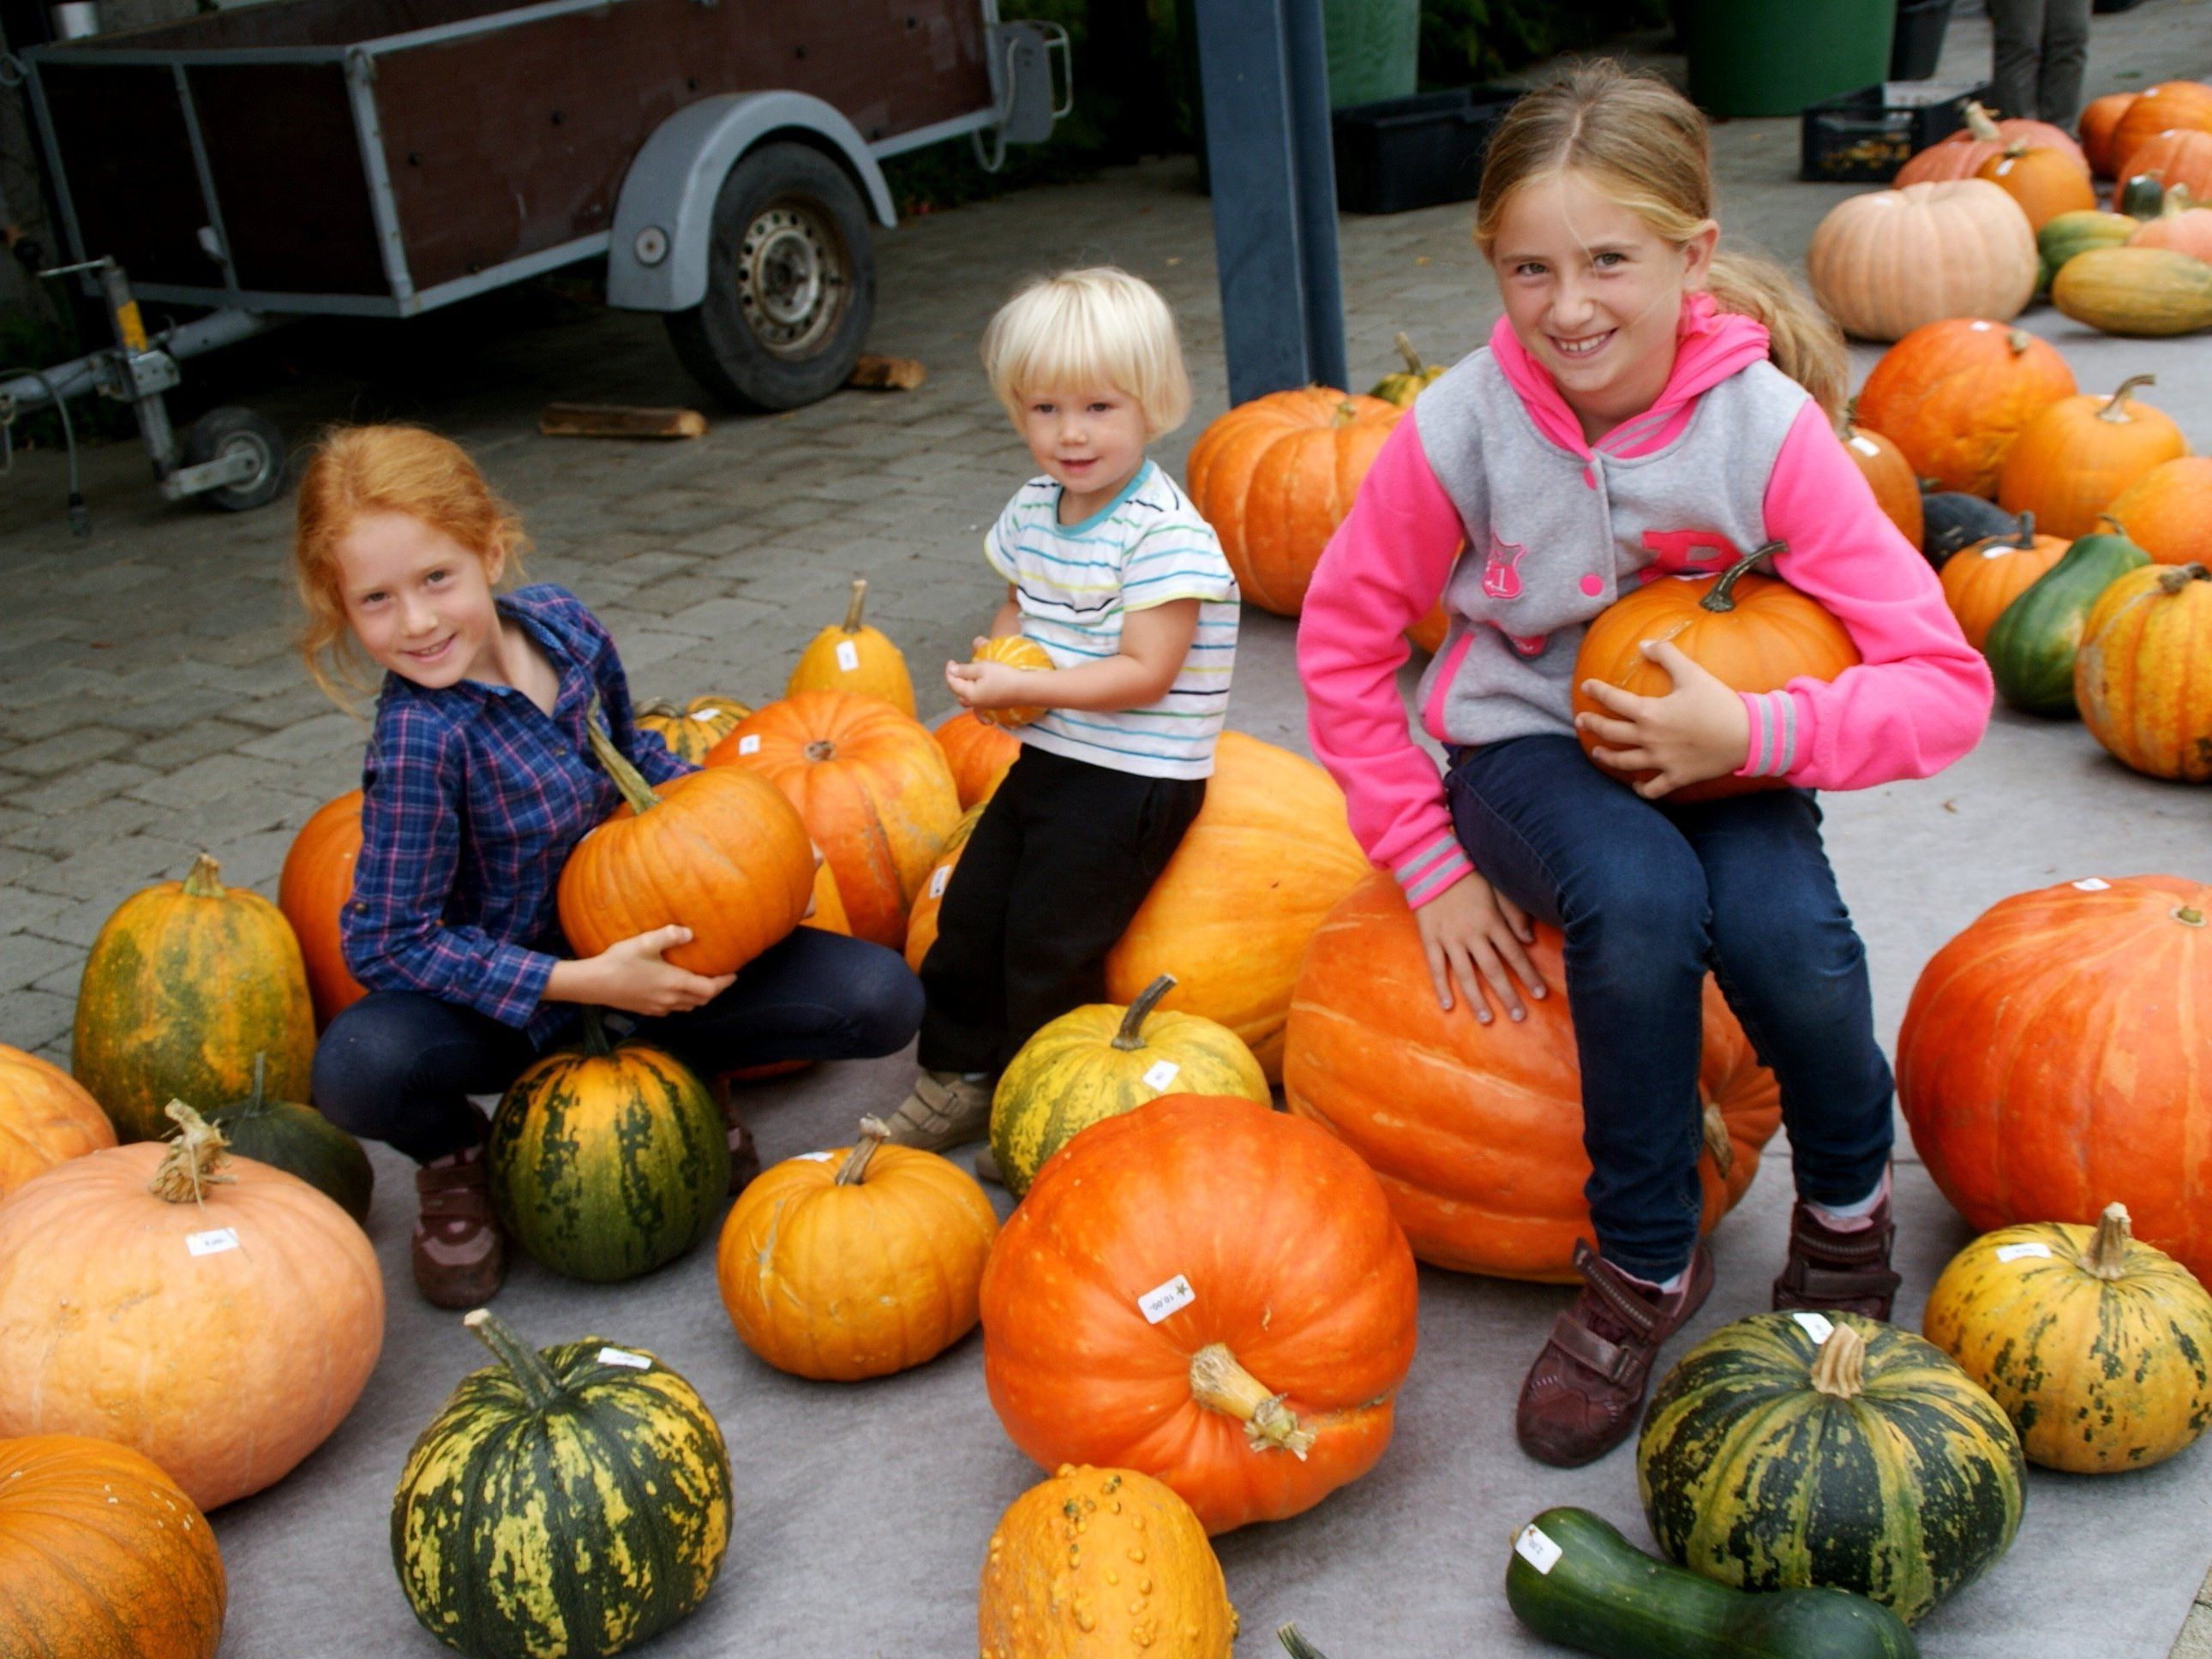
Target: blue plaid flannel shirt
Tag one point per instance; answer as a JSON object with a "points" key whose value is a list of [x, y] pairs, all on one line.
{"points": [[473, 797]]}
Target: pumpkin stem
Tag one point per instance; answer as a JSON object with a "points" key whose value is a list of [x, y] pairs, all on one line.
{"points": [[1980, 123], [204, 879], [194, 1161], [852, 623], [854, 1169], [2189, 917], [1716, 1139], [1347, 412], [1219, 1383], [1722, 599], [1405, 344], [821, 750], [260, 1078], [1297, 1645], [2107, 1255], [595, 1033], [2022, 538], [1841, 1370], [660, 708], [2019, 339], [524, 1363], [2118, 529], [1131, 1036], [2173, 580], [2115, 409], [612, 762]]}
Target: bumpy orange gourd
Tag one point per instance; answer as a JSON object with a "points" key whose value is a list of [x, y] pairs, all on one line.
{"points": [[855, 1262], [1276, 476], [922, 920], [2186, 105], [2045, 182], [1211, 1292], [719, 852], [46, 1118], [1960, 153], [2054, 1058], [2071, 460], [872, 787], [1016, 651], [2100, 118], [1887, 473], [1981, 580], [313, 892], [227, 1314], [1267, 857], [979, 756], [691, 731], [1952, 396], [1753, 633], [851, 657], [2168, 512], [102, 1556], [2142, 678], [1101, 1562], [1475, 1131]]}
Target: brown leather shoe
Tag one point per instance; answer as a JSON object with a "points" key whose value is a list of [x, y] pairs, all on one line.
{"points": [[1581, 1396], [459, 1249], [943, 1109], [1829, 1270], [744, 1157]]}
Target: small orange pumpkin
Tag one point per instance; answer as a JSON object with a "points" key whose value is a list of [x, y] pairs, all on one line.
{"points": [[2045, 182], [44, 1118], [1887, 473], [851, 657], [979, 756], [1020, 651], [2168, 512], [2071, 460], [2100, 117], [1981, 580], [691, 731], [312, 892], [1952, 395], [2162, 108], [922, 920]]}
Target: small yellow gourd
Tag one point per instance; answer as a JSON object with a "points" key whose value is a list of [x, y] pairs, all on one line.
{"points": [[1016, 651]]}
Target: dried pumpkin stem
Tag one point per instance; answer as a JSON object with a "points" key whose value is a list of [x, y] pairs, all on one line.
{"points": [[1219, 1383], [2020, 339], [2116, 406], [1131, 1036], [616, 764], [194, 1161], [204, 879], [2107, 1255], [821, 750], [2173, 580], [1297, 1645], [523, 1364], [2023, 537], [1982, 124], [1722, 599], [1347, 412], [253, 1102], [1841, 1370], [852, 623], [660, 708], [854, 1169], [1405, 344], [1716, 1139]]}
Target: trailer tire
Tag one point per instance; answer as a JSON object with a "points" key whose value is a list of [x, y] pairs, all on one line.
{"points": [[226, 431], [791, 282]]}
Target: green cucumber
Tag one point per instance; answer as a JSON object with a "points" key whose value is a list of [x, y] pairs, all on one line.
{"points": [[2032, 644]]}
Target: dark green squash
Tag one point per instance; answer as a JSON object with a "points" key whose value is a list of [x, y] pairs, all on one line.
{"points": [[574, 1501], [299, 1140], [2030, 646], [2142, 197], [1954, 521], [1775, 1457]]}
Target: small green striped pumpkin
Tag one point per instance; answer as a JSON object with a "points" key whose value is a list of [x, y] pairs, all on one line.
{"points": [[1869, 1461], [565, 1504], [607, 1162]]}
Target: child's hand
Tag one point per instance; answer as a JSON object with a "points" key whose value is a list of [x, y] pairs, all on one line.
{"points": [[1472, 926], [987, 685], [1697, 731], [630, 976]]}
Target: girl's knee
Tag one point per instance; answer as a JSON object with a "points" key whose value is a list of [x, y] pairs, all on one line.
{"points": [[885, 1006], [363, 1066], [1658, 909]]}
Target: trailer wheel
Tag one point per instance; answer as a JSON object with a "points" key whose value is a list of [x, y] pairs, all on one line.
{"points": [[791, 282], [230, 431]]}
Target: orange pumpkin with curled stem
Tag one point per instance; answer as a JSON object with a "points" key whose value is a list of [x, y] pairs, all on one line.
{"points": [[1017, 651], [46, 1118], [1981, 580], [312, 892], [1960, 153], [2069, 463]]}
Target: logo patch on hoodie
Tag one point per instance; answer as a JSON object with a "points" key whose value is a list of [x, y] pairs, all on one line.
{"points": [[1687, 553], [1501, 572]]}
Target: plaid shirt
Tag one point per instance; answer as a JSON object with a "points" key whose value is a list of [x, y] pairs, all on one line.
{"points": [[474, 797]]}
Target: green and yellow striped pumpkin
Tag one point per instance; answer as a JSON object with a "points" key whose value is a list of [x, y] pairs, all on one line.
{"points": [[1772, 1458], [607, 1162], [2099, 1348], [1099, 1062], [566, 1505]]}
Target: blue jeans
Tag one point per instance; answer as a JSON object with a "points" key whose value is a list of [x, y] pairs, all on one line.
{"points": [[399, 1065], [1651, 897]]}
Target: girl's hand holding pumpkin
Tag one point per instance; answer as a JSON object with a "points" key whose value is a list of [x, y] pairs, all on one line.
{"points": [[1697, 731], [630, 976], [1472, 926]]}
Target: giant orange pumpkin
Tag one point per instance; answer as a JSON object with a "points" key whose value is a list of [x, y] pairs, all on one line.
{"points": [[2055, 1057], [1981, 580], [1884, 467], [2142, 678], [2070, 460], [1960, 153], [872, 787], [1211, 1293], [46, 1118], [2101, 116], [312, 892], [719, 852], [1952, 395], [1883, 263], [1276, 476], [1475, 1130], [1753, 633], [2162, 108], [2168, 512], [2045, 182]]}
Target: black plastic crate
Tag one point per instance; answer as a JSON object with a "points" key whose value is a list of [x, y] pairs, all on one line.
{"points": [[1918, 42], [2103, 6], [1864, 136], [1418, 152]]}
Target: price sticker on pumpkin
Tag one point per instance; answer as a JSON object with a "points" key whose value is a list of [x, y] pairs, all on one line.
{"points": [[1538, 1548], [1817, 1326], [2023, 1252], [212, 1243], [624, 1358], [706, 714], [2093, 884], [1162, 1300], [936, 880], [749, 744], [848, 656], [813, 1157], [1161, 1073]]}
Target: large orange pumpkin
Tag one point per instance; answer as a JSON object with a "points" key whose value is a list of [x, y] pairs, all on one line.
{"points": [[1267, 856], [1276, 476], [1886, 262], [2100, 118], [2162, 108], [1753, 633], [1211, 1293], [1887, 473], [1961, 155], [922, 920], [102, 1556], [224, 1316], [46, 1118], [1981, 580], [1475, 1130], [2168, 512], [2045, 182], [312, 892], [1952, 395], [2182, 155], [2142, 678], [2070, 460], [872, 787], [850, 656], [2055, 1058], [979, 756], [719, 852]]}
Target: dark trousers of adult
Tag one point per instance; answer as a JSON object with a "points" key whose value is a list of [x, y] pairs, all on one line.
{"points": [[1056, 866], [399, 1065], [1650, 897], [2042, 48]]}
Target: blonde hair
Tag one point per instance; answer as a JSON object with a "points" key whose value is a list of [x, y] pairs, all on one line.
{"points": [[360, 469], [1643, 146], [1098, 326]]}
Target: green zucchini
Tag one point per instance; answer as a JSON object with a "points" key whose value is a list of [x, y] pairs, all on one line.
{"points": [[2032, 644]]}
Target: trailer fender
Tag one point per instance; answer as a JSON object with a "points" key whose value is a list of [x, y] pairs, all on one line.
{"points": [[658, 258]]}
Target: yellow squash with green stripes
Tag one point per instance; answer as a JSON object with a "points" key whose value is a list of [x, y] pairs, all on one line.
{"points": [[566, 1505], [1099, 1062]]}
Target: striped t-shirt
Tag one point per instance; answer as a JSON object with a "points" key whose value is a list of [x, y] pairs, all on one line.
{"points": [[1075, 582]]}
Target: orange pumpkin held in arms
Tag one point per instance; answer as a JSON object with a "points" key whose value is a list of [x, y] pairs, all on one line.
{"points": [[313, 892]]}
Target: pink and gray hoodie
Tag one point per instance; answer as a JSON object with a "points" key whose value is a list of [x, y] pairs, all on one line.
{"points": [[1733, 455]]}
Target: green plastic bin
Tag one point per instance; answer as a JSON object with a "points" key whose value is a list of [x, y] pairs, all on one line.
{"points": [[1374, 49], [1776, 56]]}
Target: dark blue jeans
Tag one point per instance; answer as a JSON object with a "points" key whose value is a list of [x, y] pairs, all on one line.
{"points": [[399, 1065], [1651, 897]]}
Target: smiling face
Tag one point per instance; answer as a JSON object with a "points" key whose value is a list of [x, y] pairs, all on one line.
{"points": [[420, 602], [1090, 438], [1594, 293]]}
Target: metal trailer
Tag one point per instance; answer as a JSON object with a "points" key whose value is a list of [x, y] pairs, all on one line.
{"points": [[382, 158]]}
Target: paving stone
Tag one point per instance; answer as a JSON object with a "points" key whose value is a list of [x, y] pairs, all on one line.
{"points": [[25, 957], [23, 906], [208, 735], [113, 870], [38, 1020], [76, 789], [105, 820], [718, 616], [79, 922], [309, 740]]}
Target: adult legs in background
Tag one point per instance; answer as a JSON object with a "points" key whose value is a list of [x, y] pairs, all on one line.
{"points": [[2017, 28], [2065, 58]]}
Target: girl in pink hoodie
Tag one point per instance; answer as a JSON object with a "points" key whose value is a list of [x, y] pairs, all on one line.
{"points": [[1645, 409]]}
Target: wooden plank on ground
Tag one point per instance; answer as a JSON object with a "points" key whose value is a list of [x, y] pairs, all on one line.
{"points": [[874, 374], [619, 421]]}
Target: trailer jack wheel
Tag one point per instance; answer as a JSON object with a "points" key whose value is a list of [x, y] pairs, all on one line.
{"points": [[244, 454]]}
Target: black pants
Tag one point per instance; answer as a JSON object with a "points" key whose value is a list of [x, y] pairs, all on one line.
{"points": [[1060, 860]]}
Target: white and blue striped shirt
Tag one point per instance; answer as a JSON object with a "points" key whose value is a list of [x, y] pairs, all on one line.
{"points": [[1075, 582]]}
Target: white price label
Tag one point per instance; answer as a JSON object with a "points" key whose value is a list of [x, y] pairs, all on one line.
{"points": [[1162, 1300], [623, 1357], [848, 656], [1817, 1326], [749, 744], [212, 1243], [2093, 884], [814, 1157], [938, 877], [1864, 446], [1535, 1547], [706, 714], [1161, 1073], [2021, 1252]]}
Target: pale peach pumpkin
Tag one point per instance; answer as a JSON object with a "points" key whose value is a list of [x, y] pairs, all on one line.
{"points": [[1884, 262]]}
